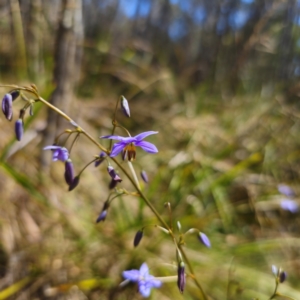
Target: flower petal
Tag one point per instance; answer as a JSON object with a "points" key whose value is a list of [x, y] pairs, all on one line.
{"points": [[132, 275], [117, 148], [52, 147], [146, 146], [144, 289], [127, 139], [154, 282], [144, 270], [142, 135]]}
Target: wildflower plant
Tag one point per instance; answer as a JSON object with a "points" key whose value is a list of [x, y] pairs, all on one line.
{"points": [[118, 158]]}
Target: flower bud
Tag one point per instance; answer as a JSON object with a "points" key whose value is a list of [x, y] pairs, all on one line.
{"points": [[19, 129], [74, 183], [102, 216], [15, 94], [69, 172], [274, 270], [103, 213], [7, 106], [113, 174], [282, 276], [112, 184], [125, 106], [137, 238], [144, 176], [204, 239], [181, 277], [99, 160]]}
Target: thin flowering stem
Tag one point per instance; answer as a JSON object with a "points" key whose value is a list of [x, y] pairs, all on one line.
{"points": [[135, 184]]}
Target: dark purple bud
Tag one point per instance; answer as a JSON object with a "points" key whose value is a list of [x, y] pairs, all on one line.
{"points": [[144, 176], [19, 129], [181, 277], [69, 172], [125, 106], [282, 276], [15, 94], [7, 106], [99, 161], [204, 239], [112, 184], [103, 213], [138, 238], [113, 174], [74, 183], [102, 216]]}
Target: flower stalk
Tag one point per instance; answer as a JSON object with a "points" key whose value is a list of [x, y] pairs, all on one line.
{"points": [[133, 179]]}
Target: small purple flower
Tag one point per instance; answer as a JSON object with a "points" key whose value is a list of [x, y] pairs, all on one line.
{"points": [[286, 190], [290, 205], [7, 106], [59, 153], [144, 280], [125, 106], [204, 239], [181, 277], [128, 144], [19, 129]]}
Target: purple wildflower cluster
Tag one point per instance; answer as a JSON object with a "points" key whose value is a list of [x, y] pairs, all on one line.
{"points": [[126, 146]]}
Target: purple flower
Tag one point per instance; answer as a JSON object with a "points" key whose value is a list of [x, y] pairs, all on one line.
{"points": [[285, 190], [144, 280], [59, 153], [128, 144], [204, 239], [290, 205]]}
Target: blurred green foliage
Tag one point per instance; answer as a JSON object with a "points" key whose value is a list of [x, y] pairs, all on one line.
{"points": [[219, 81]]}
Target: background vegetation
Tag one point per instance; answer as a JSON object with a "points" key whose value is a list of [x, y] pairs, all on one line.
{"points": [[219, 80]]}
